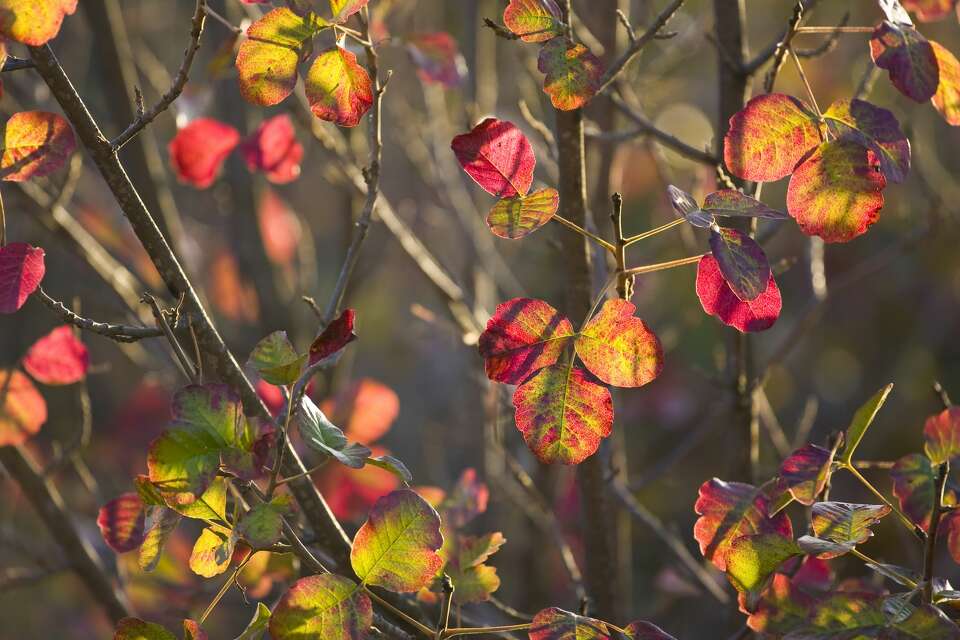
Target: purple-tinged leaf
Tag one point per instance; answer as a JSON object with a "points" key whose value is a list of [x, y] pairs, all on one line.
{"points": [[909, 59], [874, 128], [684, 204], [731, 203], [742, 262]]}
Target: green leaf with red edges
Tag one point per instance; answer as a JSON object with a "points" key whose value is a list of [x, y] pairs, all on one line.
{"points": [[929, 10], [122, 522], [836, 192], [557, 624], [324, 606], [533, 20], [718, 299], [619, 348], [276, 359], [267, 59], [473, 584], [844, 522], [562, 414], [519, 216], [396, 548], [572, 73], [732, 203], [475, 550], [942, 434], [58, 358], [522, 336], [913, 486], [343, 9], [338, 88], [643, 630], [909, 59], [752, 560], [262, 526], [464, 558], [137, 629], [874, 128], [212, 505], [857, 615], [23, 410], [334, 337], [741, 261], [160, 524], [34, 22], [498, 157], [729, 510], [212, 551], [35, 144], [21, 269], [947, 98], [769, 136], [805, 472]]}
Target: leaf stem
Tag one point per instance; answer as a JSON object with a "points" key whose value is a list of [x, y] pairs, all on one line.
{"points": [[826, 29], [574, 226], [917, 531], [471, 631], [653, 232], [281, 447], [419, 626], [661, 266], [222, 592], [929, 549], [806, 82], [868, 559]]}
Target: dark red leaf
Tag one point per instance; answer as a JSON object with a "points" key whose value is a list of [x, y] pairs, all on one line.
{"points": [[122, 522], [198, 150], [908, 57], [21, 270], [497, 155], [334, 337], [273, 149]]}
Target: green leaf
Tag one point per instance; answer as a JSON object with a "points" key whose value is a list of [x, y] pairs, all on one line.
{"points": [[212, 552], [258, 626], [160, 523], [861, 422], [752, 560], [262, 526], [324, 606], [182, 464], [212, 505], [137, 629], [323, 436], [519, 216], [572, 73], [276, 359], [844, 522], [338, 89], [343, 9], [393, 465]]}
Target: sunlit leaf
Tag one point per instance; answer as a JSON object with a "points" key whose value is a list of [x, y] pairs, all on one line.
{"points": [[557, 624], [34, 22], [35, 144], [909, 59], [805, 472], [874, 128], [212, 552], [618, 347], [473, 584], [572, 73], [844, 522], [741, 261], [861, 421], [160, 524], [262, 526], [343, 9], [258, 626], [212, 505], [21, 270], [276, 359], [947, 98], [729, 510], [136, 629], [57, 358], [562, 414], [324, 436], [823, 548], [334, 337], [783, 607], [732, 203], [338, 88], [913, 486], [687, 206], [855, 616], [643, 630], [192, 631], [23, 410], [396, 548], [522, 336], [533, 20], [274, 150], [942, 434], [391, 464], [437, 58], [718, 299], [896, 13], [751, 561], [929, 10], [836, 192], [467, 500], [497, 155], [122, 522], [519, 216], [769, 136], [199, 149], [324, 606]]}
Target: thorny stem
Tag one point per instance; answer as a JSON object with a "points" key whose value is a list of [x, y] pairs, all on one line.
{"points": [[917, 531], [652, 232], [930, 548]]}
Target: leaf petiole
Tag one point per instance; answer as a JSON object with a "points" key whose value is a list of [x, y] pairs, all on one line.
{"points": [[653, 232], [587, 234], [917, 531], [419, 626], [661, 266]]}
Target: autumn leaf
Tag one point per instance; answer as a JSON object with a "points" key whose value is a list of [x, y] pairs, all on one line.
{"points": [[805, 472], [836, 192], [732, 203], [324, 606], [212, 505], [914, 488], [199, 149], [947, 98], [276, 359], [929, 10], [908, 57], [35, 144], [752, 560], [160, 524], [874, 128], [562, 414], [769, 136], [396, 548], [557, 624], [343, 9], [467, 500], [572, 73], [262, 526], [57, 358], [522, 336], [339, 90], [741, 261], [21, 270], [366, 407], [122, 522], [846, 523], [473, 580], [718, 299], [274, 150], [437, 58], [323, 436], [497, 155], [34, 22], [619, 348], [533, 20], [684, 204], [519, 216], [192, 631], [22, 409], [334, 337], [213, 551], [643, 630], [136, 629], [942, 434]]}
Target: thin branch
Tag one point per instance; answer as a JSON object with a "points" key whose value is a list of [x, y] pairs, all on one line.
{"points": [[15, 64], [780, 54], [115, 332], [806, 82], [660, 266], [930, 548]]}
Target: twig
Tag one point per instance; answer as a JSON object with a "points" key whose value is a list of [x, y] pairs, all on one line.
{"points": [[188, 368], [660, 266], [806, 82], [116, 332], [646, 128], [219, 18], [617, 66], [930, 548], [780, 54], [942, 394]]}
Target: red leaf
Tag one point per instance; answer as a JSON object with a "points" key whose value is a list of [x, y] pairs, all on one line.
{"points": [[466, 501], [437, 58], [523, 335], [122, 522], [942, 433], [273, 149], [35, 144], [366, 408], [914, 486], [718, 299], [741, 260], [334, 337], [57, 358], [497, 155], [279, 227], [21, 270], [23, 410], [271, 395], [198, 150], [908, 57]]}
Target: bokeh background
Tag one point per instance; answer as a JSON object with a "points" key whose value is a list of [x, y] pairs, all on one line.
{"points": [[883, 308]]}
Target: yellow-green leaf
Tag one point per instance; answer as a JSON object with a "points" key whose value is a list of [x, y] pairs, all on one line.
{"points": [[338, 89], [324, 606], [516, 217]]}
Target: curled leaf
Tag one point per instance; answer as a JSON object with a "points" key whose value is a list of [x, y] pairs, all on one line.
{"points": [[338, 88], [805, 472], [572, 73], [497, 155], [273, 149], [718, 299], [861, 421], [519, 216], [323, 436], [334, 337], [212, 552]]}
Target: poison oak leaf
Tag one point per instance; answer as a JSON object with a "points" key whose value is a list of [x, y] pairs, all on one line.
{"points": [[874, 128], [732, 203], [572, 73], [643, 630], [947, 98], [22, 410], [718, 299], [276, 359], [836, 193], [343, 9], [338, 89], [769, 136], [930, 10], [192, 631], [557, 624], [523, 335], [619, 348], [334, 337], [389, 463], [473, 584], [805, 473], [136, 629], [273, 149], [212, 552], [160, 524], [437, 58], [122, 522], [497, 155], [519, 216], [562, 414], [34, 22], [846, 523], [58, 358], [262, 526], [751, 561], [324, 606], [533, 20], [366, 407], [199, 149], [908, 57], [21, 270], [323, 436], [35, 144], [942, 434], [914, 487], [741, 261]]}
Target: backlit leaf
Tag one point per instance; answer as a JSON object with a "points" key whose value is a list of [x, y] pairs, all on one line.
{"points": [[267, 59], [947, 98], [557, 624], [467, 500], [741, 261], [339, 89], [874, 128], [57, 358], [497, 155], [273, 149], [160, 523], [909, 59], [343, 9], [276, 359], [929, 10], [729, 510], [262, 526], [334, 337], [193, 631], [437, 58], [718, 299], [35, 144], [896, 13], [212, 552], [836, 192], [572, 73], [522, 336], [769, 136], [323, 436], [643, 630], [752, 560], [913, 486], [258, 626], [324, 606], [732, 203], [686, 206], [23, 410], [122, 522], [136, 629], [844, 522], [861, 421], [199, 149], [533, 20], [212, 505], [862, 615], [619, 348], [21, 270], [33, 22], [518, 216], [806, 472], [475, 550], [391, 464], [562, 414], [473, 584], [396, 548], [942, 434]]}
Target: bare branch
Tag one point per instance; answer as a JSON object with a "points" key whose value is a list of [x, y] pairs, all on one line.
{"points": [[116, 332], [637, 45]]}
